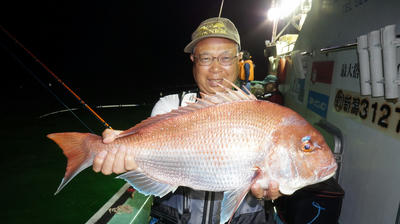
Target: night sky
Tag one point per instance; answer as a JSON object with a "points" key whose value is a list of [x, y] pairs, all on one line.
{"points": [[114, 52]]}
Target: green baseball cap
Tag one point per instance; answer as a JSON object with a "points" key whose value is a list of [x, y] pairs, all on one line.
{"points": [[271, 78], [214, 27]]}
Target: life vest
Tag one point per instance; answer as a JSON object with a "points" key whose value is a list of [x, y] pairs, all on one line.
{"points": [[242, 72]]}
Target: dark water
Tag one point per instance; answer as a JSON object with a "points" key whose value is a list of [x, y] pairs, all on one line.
{"points": [[32, 167]]}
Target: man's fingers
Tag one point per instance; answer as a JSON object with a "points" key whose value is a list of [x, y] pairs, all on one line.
{"points": [[273, 185], [273, 191], [107, 135], [98, 161], [110, 135], [108, 139], [257, 191], [119, 162], [130, 163], [108, 162]]}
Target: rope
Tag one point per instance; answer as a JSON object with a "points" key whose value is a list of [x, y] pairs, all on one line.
{"points": [[315, 204], [140, 209]]}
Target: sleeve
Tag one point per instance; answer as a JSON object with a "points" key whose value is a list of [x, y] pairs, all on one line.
{"points": [[247, 71], [165, 104]]}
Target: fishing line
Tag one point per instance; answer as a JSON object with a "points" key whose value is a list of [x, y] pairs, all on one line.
{"points": [[56, 77], [43, 84]]}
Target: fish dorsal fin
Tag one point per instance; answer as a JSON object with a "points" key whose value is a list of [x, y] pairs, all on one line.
{"points": [[229, 95]]}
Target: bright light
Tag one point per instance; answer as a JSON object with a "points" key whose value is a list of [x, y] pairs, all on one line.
{"points": [[283, 9], [290, 6], [273, 14]]}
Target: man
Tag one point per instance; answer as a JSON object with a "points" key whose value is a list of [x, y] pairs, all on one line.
{"points": [[214, 50], [272, 92], [246, 69]]}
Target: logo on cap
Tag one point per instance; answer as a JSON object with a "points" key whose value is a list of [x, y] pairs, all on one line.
{"points": [[213, 28]]}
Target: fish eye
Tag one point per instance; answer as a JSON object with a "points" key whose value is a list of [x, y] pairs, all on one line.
{"points": [[307, 146]]}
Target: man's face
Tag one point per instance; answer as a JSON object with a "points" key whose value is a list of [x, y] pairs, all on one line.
{"points": [[207, 76], [270, 87]]}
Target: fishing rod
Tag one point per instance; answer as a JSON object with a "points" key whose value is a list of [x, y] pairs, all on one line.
{"points": [[71, 91], [43, 84], [98, 107], [57, 78]]}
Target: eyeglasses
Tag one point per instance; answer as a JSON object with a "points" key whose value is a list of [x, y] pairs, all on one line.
{"points": [[223, 59]]}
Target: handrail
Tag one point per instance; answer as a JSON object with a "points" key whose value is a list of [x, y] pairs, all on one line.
{"points": [[343, 47]]}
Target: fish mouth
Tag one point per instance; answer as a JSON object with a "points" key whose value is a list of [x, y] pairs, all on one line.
{"points": [[327, 172]]}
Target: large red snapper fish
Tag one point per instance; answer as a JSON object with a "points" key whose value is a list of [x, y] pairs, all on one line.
{"points": [[223, 142]]}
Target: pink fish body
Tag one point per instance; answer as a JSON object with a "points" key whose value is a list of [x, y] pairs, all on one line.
{"points": [[225, 142]]}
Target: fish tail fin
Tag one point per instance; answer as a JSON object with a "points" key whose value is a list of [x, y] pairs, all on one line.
{"points": [[76, 151]]}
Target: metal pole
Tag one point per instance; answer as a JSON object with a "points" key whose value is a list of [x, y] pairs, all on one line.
{"points": [[274, 25]]}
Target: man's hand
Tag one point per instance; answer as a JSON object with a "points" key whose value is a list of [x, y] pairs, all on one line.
{"points": [[109, 135], [271, 193], [117, 160]]}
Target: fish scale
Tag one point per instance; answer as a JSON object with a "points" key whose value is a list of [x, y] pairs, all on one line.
{"points": [[206, 171]]}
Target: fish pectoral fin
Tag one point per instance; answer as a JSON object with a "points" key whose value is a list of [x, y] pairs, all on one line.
{"points": [[145, 184], [231, 201]]}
